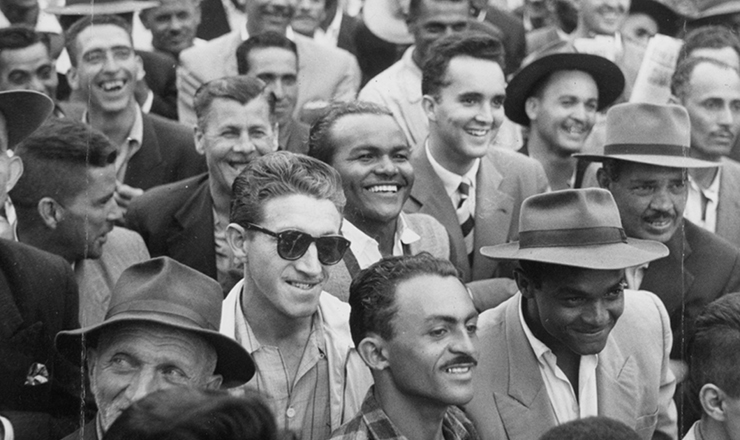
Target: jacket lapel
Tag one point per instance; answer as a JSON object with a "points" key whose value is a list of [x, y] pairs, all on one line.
{"points": [[668, 277], [728, 224], [10, 317], [617, 382], [193, 243], [140, 171]]}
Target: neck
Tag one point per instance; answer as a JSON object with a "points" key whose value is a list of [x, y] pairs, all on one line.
{"points": [[20, 15], [115, 125], [567, 360], [558, 167], [447, 157], [42, 238], [417, 57], [382, 232], [415, 417], [221, 198], [271, 327], [703, 176], [710, 429]]}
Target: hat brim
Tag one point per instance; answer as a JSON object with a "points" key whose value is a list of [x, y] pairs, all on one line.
{"points": [[607, 75], [24, 112], [380, 20], [91, 8], [652, 159], [613, 256], [234, 363], [723, 9]]}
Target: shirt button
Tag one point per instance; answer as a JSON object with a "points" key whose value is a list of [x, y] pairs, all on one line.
{"points": [[290, 412]]}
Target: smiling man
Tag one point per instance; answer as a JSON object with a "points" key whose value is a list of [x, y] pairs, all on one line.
{"points": [[573, 343], [285, 224], [364, 144], [173, 24], [415, 326]]}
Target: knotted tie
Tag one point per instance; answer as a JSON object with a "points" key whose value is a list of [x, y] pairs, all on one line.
{"points": [[466, 218]]}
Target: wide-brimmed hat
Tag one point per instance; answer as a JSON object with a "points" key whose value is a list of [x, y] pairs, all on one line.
{"points": [[713, 8], [649, 133], [24, 112], [607, 75], [168, 293], [665, 16], [101, 7], [575, 227], [387, 20]]}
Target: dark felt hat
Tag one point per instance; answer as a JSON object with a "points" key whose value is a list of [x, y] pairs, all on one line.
{"points": [[607, 75], [24, 112], [168, 293]]}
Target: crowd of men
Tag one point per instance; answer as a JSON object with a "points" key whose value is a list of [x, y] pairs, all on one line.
{"points": [[324, 219]]}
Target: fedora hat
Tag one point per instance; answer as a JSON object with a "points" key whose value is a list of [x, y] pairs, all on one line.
{"points": [[168, 293], [24, 112], [575, 227], [713, 8], [607, 75], [387, 20], [649, 133], [101, 7]]}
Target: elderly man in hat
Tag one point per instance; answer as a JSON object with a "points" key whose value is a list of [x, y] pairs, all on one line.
{"points": [[161, 331], [573, 342], [558, 97]]}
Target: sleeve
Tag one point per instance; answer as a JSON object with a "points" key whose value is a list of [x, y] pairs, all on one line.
{"points": [[667, 424], [349, 84]]}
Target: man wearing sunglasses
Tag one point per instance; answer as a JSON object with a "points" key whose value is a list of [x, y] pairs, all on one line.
{"points": [[285, 218]]}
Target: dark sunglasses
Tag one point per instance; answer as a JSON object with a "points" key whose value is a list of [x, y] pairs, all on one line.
{"points": [[292, 245]]}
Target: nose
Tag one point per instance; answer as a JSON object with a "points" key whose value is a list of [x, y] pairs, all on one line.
{"points": [[661, 200], [277, 89], [176, 24], [579, 112], [464, 343], [309, 263], [144, 383], [597, 315], [386, 166], [36, 85], [244, 144], [114, 211], [726, 116], [304, 5], [486, 114]]}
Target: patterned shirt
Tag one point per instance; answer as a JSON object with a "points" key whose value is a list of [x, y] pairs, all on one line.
{"points": [[372, 423]]}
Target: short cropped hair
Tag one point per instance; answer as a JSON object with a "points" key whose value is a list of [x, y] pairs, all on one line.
{"points": [[589, 428], [21, 37], [70, 36], [415, 7], [714, 347], [55, 162], [372, 293], [321, 144], [261, 41], [185, 413], [681, 80], [241, 89], [281, 174], [472, 44], [709, 37]]}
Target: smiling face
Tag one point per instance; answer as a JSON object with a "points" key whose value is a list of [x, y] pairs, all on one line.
{"points": [[713, 102], [575, 311], [282, 288], [269, 15], [433, 352], [651, 199], [29, 68], [468, 112], [133, 360], [173, 24], [564, 112], [437, 19], [602, 17], [233, 135], [373, 159], [278, 68], [107, 68], [308, 16]]}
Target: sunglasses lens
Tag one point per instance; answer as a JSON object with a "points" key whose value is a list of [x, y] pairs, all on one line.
{"points": [[293, 244], [331, 249]]}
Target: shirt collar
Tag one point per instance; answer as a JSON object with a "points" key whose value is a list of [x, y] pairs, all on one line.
{"points": [[331, 33], [244, 33], [137, 130], [450, 180], [362, 244], [712, 192]]}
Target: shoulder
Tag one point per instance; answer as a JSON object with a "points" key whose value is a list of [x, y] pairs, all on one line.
{"points": [[24, 258], [319, 52], [704, 243], [335, 313], [172, 128], [510, 162], [644, 313], [195, 53], [489, 320], [423, 223], [157, 200], [382, 81], [355, 429]]}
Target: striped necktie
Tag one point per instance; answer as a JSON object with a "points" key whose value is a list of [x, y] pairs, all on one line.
{"points": [[466, 218]]}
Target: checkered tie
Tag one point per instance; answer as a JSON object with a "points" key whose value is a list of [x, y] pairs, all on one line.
{"points": [[465, 218]]}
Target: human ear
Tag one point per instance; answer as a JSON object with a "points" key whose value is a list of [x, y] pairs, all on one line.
{"points": [[531, 107], [428, 103], [236, 237], [50, 211], [373, 352], [214, 382], [711, 398], [15, 171], [523, 283]]}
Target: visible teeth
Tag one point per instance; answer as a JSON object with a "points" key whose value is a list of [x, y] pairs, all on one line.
{"points": [[458, 370], [112, 85], [383, 188], [304, 286], [479, 132]]}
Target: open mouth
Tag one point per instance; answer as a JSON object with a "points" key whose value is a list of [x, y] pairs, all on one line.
{"points": [[303, 285], [461, 369], [477, 132], [388, 189], [112, 85]]}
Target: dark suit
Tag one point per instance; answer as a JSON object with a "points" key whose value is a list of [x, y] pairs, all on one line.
{"points": [[38, 298], [346, 37], [513, 37], [293, 137], [161, 77], [167, 155], [90, 433]]}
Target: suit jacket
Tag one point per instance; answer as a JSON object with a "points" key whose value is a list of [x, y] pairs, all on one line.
{"points": [[167, 155], [38, 298], [293, 137], [434, 239], [161, 77], [505, 179], [634, 383], [700, 268], [346, 37], [176, 220], [324, 73], [90, 433], [728, 207], [512, 31]]}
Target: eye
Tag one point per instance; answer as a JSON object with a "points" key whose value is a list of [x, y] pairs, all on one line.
{"points": [[94, 57], [438, 332], [121, 362], [18, 78], [498, 101], [574, 301], [174, 374], [122, 53], [471, 329], [643, 189]]}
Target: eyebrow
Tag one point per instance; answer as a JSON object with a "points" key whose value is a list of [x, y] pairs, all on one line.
{"points": [[451, 319]]}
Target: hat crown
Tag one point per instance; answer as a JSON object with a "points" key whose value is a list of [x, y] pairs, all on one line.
{"points": [[569, 209], [703, 5], [648, 124], [164, 287]]}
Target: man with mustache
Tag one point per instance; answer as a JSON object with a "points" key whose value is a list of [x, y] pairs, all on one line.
{"points": [[415, 326], [646, 157], [573, 342], [710, 92], [285, 218]]}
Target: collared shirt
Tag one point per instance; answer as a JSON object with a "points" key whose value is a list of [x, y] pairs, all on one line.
{"points": [[701, 205], [565, 404], [330, 36], [634, 276], [303, 405], [130, 146], [451, 181], [373, 423], [11, 219], [367, 251], [695, 432]]}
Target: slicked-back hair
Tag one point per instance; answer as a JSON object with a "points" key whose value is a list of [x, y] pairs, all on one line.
{"points": [[280, 174], [21, 37], [714, 347], [262, 41], [417, 6], [473, 44], [185, 413], [241, 89], [321, 144], [55, 162], [372, 293], [709, 37], [70, 36], [681, 80]]}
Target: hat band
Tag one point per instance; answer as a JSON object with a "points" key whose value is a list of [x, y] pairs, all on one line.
{"points": [[571, 237], [647, 149], [160, 307]]}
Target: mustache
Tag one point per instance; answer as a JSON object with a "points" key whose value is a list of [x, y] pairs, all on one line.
{"points": [[660, 215], [461, 359]]}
